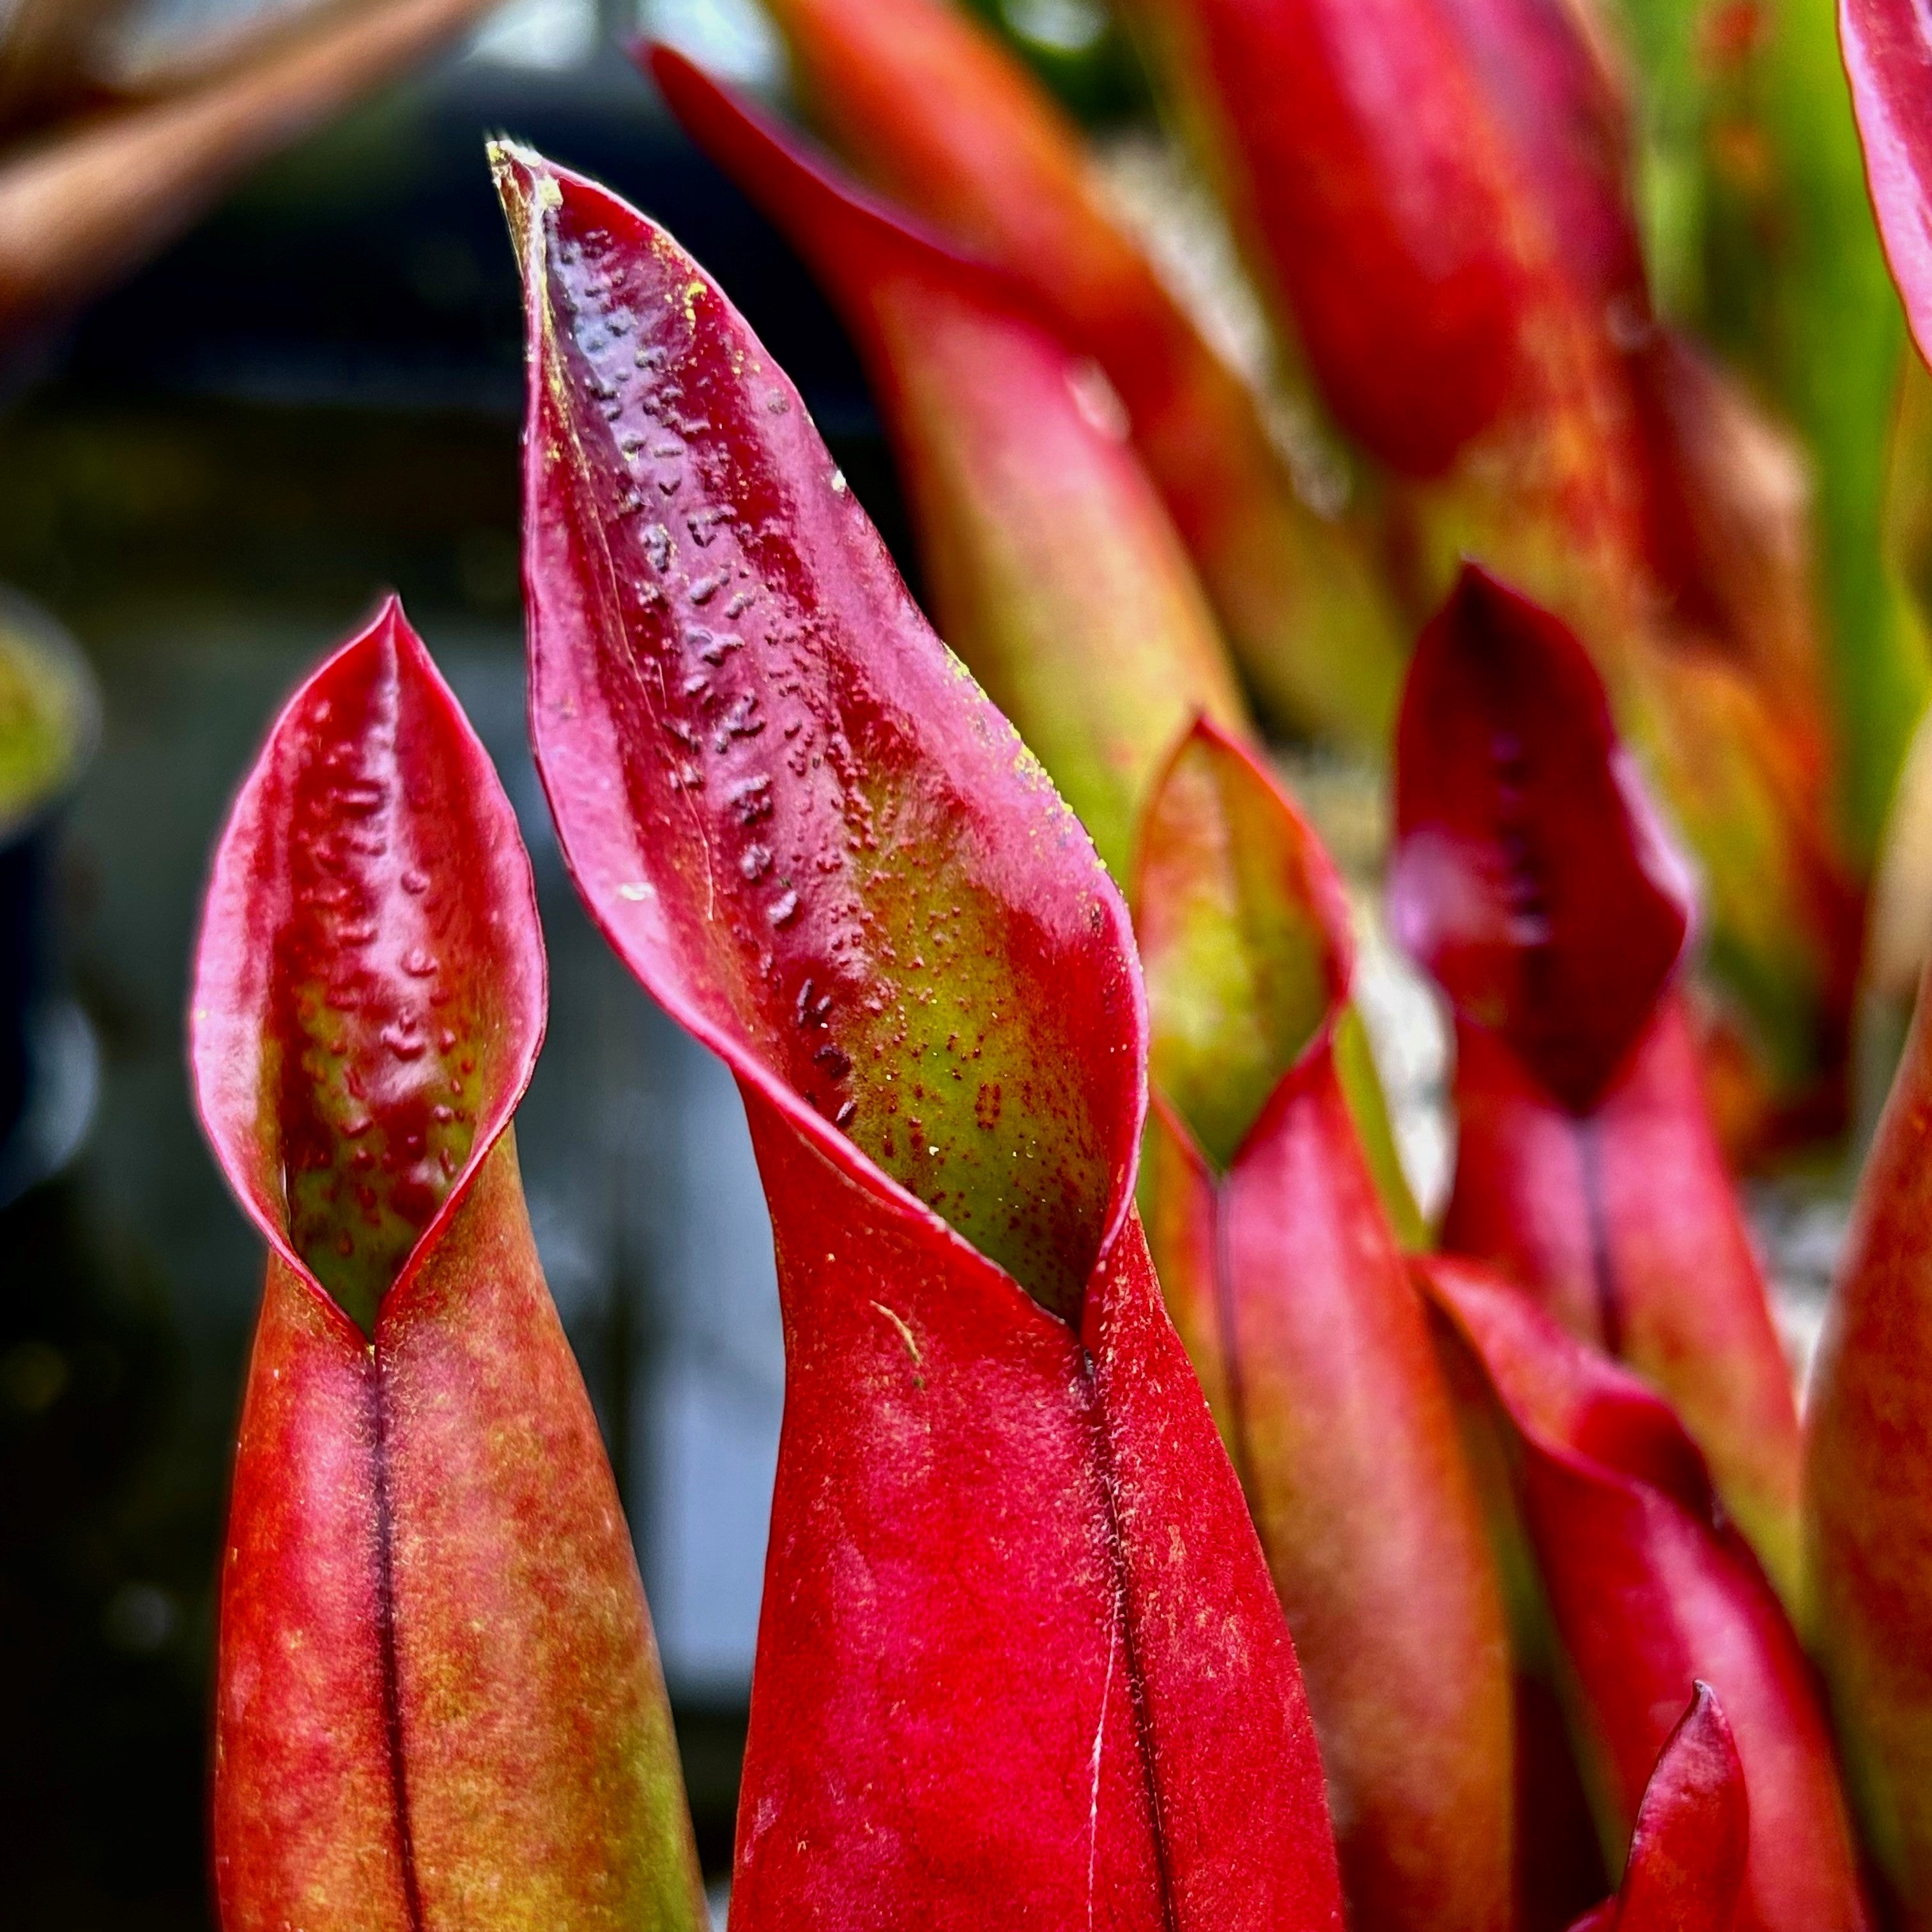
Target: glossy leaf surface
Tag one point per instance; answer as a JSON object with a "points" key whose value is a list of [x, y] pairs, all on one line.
{"points": [[1285, 1281], [1868, 1489], [930, 110], [1561, 1869], [1053, 569], [1650, 1591], [1686, 1869], [1532, 879], [1019, 1654], [1624, 1224], [438, 1701]]}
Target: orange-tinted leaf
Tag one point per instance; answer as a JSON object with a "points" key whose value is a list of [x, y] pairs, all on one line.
{"points": [[83, 207]]}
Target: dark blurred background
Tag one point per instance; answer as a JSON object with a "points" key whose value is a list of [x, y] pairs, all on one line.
{"points": [[206, 479]]}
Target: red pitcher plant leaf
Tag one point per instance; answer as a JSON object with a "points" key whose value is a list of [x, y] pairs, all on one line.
{"points": [[1018, 1655], [1649, 1590], [1290, 1294], [936, 114], [1054, 570], [1532, 879], [1553, 82], [1530, 875], [1055, 573], [1350, 141], [1398, 169], [1441, 203], [438, 1694], [1868, 1490], [1724, 507], [1407, 250], [1560, 1872], [1686, 1869], [1887, 46]]}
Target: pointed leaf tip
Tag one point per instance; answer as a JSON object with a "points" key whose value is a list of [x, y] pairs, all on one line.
{"points": [[369, 983], [1531, 876], [793, 813], [1244, 935], [1685, 1872], [523, 179]]}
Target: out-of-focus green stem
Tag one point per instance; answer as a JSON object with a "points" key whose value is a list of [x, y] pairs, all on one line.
{"points": [[1760, 229]]}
